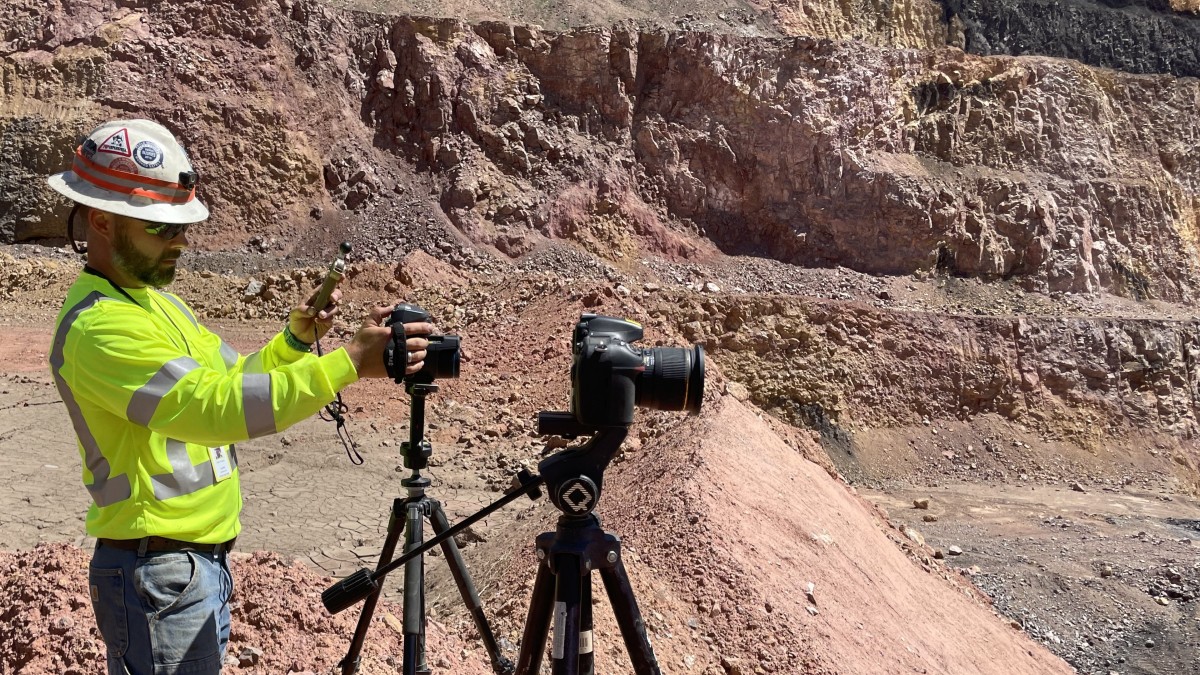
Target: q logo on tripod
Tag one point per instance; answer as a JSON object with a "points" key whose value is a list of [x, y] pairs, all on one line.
{"points": [[579, 495]]}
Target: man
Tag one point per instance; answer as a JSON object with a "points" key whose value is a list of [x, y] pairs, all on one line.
{"points": [[158, 402]]}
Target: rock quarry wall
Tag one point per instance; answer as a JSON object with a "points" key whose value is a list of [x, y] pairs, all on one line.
{"points": [[811, 151], [861, 154]]}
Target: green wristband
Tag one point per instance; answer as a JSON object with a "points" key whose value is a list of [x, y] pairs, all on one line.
{"points": [[294, 342]]}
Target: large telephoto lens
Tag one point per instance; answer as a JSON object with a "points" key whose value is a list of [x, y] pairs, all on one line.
{"points": [[673, 379]]}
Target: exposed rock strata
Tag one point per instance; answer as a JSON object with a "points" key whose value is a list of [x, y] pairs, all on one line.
{"points": [[811, 151], [1085, 379]]}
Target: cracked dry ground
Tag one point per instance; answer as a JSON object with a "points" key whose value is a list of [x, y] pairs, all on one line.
{"points": [[726, 519]]}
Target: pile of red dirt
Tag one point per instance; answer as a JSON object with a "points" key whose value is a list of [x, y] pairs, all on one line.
{"points": [[279, 625]]}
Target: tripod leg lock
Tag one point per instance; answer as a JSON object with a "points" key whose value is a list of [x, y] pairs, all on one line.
{"points": [[349, 591]]}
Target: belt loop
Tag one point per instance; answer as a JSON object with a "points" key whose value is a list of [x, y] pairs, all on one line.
{"points": [[142, 544]]}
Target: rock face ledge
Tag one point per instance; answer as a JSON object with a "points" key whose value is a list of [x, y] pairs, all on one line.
{"points": [[820, 153]]}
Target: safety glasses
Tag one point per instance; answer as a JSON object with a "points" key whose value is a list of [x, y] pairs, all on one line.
{"points": [[166, 231]]}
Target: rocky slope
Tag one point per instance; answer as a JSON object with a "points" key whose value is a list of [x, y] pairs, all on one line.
{"points": [[700, 502]]}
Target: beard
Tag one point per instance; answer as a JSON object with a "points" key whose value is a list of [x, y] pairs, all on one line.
{"points": [[149, 271]]}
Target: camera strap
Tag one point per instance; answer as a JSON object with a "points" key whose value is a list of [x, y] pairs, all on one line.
{"points": [[336, 410], [398, 345]]}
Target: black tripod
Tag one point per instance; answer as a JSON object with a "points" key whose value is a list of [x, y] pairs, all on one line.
{"points": [[567, 556], [408, 514]]}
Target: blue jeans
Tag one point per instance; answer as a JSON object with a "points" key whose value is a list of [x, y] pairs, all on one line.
{"points": [[161, 613]]}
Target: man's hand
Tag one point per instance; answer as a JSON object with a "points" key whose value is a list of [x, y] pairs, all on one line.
{"points": [[367, 345], [310, 327]]}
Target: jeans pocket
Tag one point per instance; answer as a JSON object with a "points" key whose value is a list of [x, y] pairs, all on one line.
{"points": [[181, 595], [107, 588], [164, 580]]}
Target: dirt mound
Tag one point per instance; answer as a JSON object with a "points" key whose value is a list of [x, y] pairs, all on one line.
{"points": [[279, 625], [737, 526], [47, 625], [703, 582]]}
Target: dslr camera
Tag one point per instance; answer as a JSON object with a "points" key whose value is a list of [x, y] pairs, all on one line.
{"points": [[609, 375], [442, 354]]}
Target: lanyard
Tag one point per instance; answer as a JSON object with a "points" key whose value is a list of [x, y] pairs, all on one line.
{"points": [[95, 272]]}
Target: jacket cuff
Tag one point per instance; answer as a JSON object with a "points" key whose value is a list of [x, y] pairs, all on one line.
{"points": [[282, 353], [339, 368]]}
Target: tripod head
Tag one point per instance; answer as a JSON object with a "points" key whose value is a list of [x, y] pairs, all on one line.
{"points": [[574, 477]]}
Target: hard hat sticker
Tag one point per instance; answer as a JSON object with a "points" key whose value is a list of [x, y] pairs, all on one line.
{"points": [[148, 154], [117, 144], [123, 164]]}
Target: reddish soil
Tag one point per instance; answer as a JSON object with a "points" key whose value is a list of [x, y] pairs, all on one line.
{"points": [[726, 518]]}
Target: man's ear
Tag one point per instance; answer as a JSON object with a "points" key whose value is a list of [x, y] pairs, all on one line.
{"points": [[101, 223]]}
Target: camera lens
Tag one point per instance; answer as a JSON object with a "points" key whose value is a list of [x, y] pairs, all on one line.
{"points": [[673, 379], [441, 359]]}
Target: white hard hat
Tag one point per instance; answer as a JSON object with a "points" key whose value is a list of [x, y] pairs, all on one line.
{"points": [[133, 168]]}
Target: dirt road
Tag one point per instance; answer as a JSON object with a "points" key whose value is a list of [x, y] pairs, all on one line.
{"points": [[1106, 578]]}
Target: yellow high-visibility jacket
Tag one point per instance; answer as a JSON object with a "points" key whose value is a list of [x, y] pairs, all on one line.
{"points": [[152, 395]]}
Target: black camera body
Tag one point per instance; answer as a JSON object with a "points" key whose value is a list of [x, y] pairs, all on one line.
{"points": [[442, 355], [609, 375]]}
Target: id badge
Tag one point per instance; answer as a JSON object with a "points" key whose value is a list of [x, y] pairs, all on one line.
{"points": [[222, 467]]}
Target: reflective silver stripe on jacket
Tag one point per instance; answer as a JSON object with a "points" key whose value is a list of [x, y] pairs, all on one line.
{"points": [[185, 477], [105, 488], [145, 400], [182, 308], [256, 404], [229, 355]]}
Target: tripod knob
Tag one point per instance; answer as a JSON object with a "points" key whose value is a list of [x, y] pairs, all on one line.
{"points": [[577, 496], [523, 478], [416, 457]]}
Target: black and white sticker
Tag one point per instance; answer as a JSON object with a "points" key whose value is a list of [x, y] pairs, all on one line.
{"points": [[117, 144], [578, 495], [148, 154], [585, 642]]}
